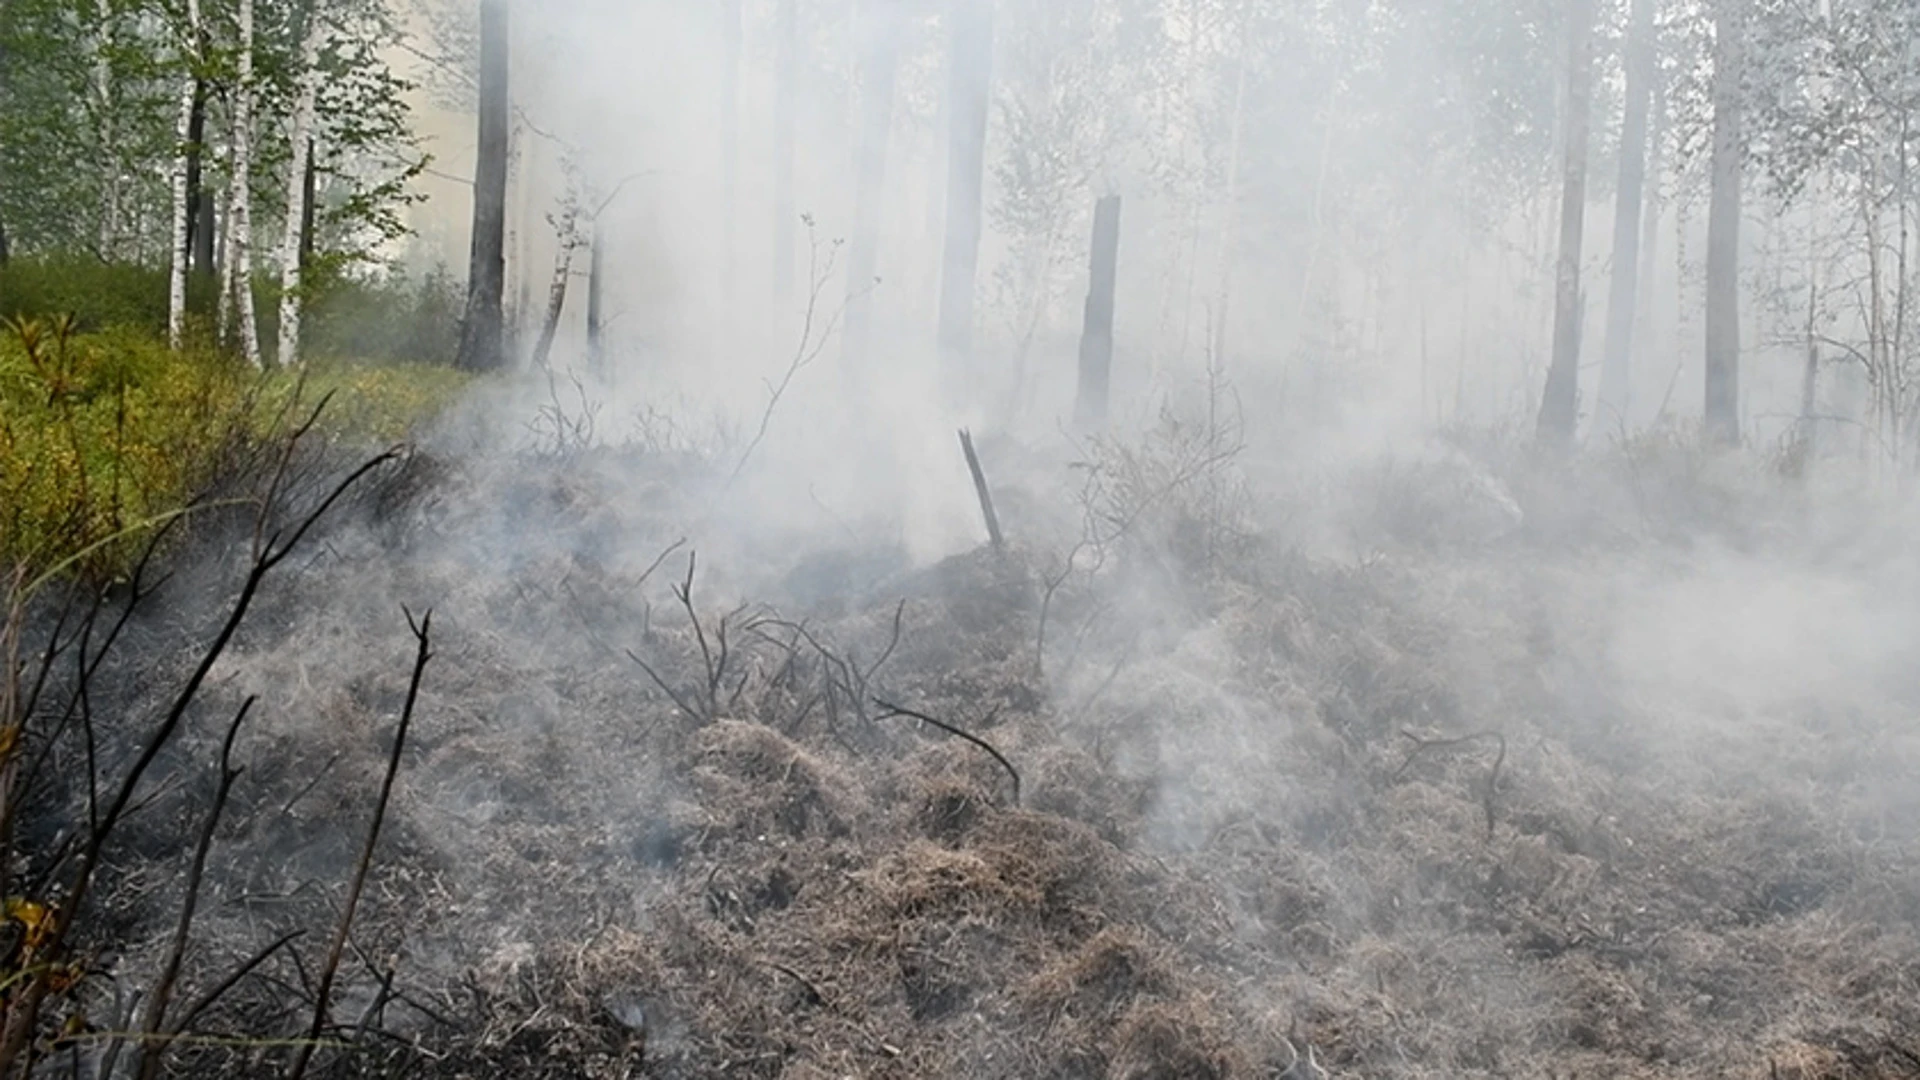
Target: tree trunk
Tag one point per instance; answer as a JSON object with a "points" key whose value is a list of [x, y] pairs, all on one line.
{"points": [[1560, 402], [109, 164], [199, 216], [5, 249], [240, 213], [1096, 335], [729, 158], [299, 188], [1651, 211], [1722, 413], [185, 185], [596, 281], [1623, 291], [206, 263], [877, 70], [480, 330], [308, 186], [556, 298], [785, 121], [969, 91]]}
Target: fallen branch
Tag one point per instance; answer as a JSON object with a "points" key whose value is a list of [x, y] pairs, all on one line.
{"points": [[895, 710], [1422, 745]]}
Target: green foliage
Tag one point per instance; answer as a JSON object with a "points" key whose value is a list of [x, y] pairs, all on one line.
{"points": [[100, 433], [372, 404], [104, 434], [392, 317]]}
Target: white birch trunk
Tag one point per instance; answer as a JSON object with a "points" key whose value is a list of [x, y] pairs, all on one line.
{"points": [[109, 167], [290, 299], [182, 253], [240, 226]]}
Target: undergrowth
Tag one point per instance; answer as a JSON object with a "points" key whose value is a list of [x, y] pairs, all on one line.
{"points": [[105, 435]]}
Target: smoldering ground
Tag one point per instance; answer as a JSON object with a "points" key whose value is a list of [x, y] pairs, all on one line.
{"points": [[1608, 786]]}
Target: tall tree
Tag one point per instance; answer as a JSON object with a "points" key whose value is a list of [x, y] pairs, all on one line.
{"points": [[192, 106], [480, 330], [300, 183], [785, 121], [1096, 333], [731, 33], [879, 58], [1622, 290], [4, 72], [1559, 404], [1722, 414], [970, 88], [238, 269]]}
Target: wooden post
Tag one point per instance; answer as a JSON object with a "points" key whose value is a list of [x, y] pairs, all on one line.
{"points": [[1096, 335], [980, 488]]}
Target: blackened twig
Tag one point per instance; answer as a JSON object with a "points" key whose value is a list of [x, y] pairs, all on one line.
{"points": [[895, 710], [1422, 745], [423, 635], [153, 1048]]}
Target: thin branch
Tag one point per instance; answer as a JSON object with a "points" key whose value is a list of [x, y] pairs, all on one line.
{"points": [[895, 710], [153, 1049], [1422, 745], [423, 636]]}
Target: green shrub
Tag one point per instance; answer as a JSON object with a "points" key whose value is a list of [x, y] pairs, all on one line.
{"points": [[100, 436], [104, 434], [391, 317]]}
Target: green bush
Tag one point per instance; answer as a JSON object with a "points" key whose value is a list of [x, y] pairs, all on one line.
{"points": [[105, 434], [389, 317], [101, 435]]}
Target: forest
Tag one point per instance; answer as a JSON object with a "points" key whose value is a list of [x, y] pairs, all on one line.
{"points": [[1301, 539]]}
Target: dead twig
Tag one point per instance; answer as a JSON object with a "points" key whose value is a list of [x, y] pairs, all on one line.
{"points": [[423, 637], [892, 711], [153, 1048], [1422, 745]]}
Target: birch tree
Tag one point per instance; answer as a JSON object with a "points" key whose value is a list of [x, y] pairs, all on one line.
{"points": [[299, 184], [191, 97]]}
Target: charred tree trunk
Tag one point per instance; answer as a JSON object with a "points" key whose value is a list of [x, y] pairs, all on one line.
{"points": [[729, 158], [877, 71], [1623, 291], [206, 226], [480, 329], [309, 186], [1096, 334], [1560, 403], [1722, 413], [199, 204], [596, 280], [785, 122], [969, 92]]}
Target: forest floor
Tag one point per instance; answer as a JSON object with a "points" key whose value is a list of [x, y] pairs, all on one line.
{"points": [[1549, 800]]}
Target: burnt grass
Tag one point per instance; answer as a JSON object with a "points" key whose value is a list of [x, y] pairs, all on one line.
{"points": [[1259, 810]]}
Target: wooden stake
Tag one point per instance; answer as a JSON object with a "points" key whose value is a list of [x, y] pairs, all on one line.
{"points": [[980, 488]]}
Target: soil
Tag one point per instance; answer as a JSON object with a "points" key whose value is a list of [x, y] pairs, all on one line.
{"points": [[1401, 809]]}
